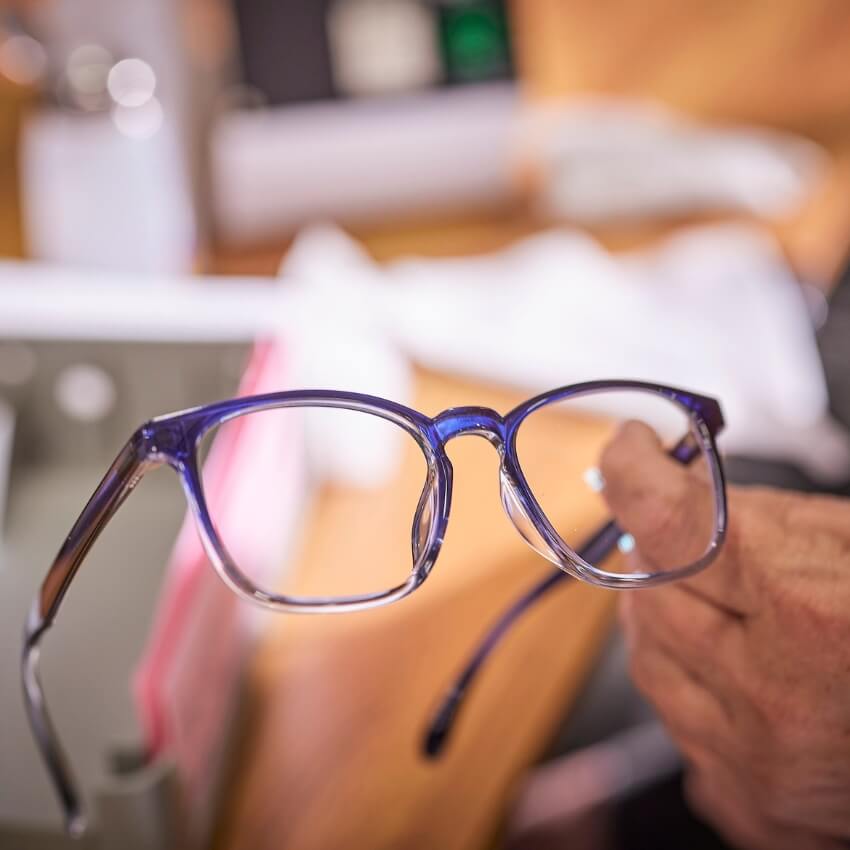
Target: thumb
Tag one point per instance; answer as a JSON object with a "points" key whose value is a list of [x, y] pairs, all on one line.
{"points": [[667, 507]]}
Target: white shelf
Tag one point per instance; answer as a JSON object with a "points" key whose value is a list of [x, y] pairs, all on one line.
{"points": [[275, 169]]}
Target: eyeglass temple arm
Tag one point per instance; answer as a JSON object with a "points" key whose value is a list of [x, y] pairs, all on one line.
{"points": [[120, 479], [596, 549], [443, 720]]}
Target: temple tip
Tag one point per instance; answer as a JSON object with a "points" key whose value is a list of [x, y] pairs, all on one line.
{"points": [[76, 824], [441, 725], [433, 743]]}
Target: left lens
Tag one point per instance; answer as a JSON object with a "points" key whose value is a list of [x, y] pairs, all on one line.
{"points": [[360, 491], [559, 447]]}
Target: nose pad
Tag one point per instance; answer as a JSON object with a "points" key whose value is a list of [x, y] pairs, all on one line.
{"points": [[513, 506], [423, 518]]}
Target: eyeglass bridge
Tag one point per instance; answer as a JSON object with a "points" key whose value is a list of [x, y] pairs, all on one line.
{"points": [[481, 421]]}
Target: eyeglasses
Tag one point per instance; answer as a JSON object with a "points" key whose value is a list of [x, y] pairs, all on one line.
{"points": [[368, 437]]}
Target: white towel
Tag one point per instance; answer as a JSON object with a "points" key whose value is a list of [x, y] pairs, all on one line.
{"points": [[712, 309]]}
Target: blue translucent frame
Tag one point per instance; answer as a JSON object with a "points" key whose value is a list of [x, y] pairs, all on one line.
{"points": [[174, 440]]}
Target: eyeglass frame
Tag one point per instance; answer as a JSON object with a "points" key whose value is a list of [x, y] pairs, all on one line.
{"points": [[174, 440]]}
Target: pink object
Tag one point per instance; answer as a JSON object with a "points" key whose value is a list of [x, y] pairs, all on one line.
{"points": [[187, 681]]}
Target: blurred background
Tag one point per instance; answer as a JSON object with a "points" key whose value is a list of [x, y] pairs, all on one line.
{"points": [[442, 202]]}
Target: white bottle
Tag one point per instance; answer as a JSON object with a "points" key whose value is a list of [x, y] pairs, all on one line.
{"points": [[103, 172]]}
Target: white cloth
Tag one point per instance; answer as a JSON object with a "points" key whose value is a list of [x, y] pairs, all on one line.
{"points": [[714, 310], [607, 158]]}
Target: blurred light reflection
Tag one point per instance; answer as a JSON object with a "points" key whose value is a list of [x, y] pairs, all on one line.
{"points": [[131, 82], [23, 60], [87, 70], [85, 392], [138, 122]]}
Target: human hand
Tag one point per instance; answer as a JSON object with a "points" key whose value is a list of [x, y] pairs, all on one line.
{"points": [[747, 663]]}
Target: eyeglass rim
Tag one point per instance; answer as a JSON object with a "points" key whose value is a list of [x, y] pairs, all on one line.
{"points": [[420, 427], [705, 419], [432, 434]]}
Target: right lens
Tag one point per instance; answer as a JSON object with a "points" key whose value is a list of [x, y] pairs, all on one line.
{"points": [[363, 490], [559, 447]]}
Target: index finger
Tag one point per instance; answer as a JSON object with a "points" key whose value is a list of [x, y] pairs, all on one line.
{"points": [[671, 512]]}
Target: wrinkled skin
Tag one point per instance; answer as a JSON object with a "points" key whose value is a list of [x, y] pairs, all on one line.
{"points": [[747, 663]]}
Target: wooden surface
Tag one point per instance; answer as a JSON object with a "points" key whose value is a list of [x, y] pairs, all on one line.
{"points": [[13, 102], [777, 62], [332, 759]]}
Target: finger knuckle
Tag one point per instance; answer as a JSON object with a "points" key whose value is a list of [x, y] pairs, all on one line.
{"points": [[748, 686], [758, 518], [785, 723], [661, 522], [703, 636], [773, 791], [617, 454]]}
